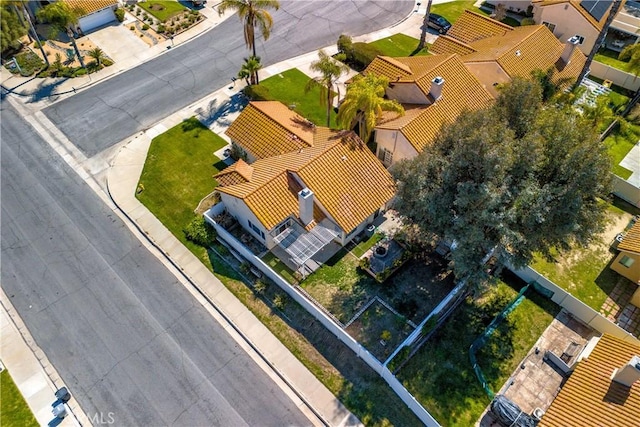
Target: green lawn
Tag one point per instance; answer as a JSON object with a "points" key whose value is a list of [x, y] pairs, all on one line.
{"points": [[178, 173], [609, 57], [279, 267], [399, 45], [13, 408], [162, 10], [288, 88], [453, 9], [619, 144], [172, 191], [365, 245], [440, 375], [584, 271], [28, 62]]}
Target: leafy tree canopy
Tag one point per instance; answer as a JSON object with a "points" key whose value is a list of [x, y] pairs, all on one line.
{"points": [[519, 177], [11, 27]]}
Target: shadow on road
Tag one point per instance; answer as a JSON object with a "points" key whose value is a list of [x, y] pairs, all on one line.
{"points": [[213, 112]]}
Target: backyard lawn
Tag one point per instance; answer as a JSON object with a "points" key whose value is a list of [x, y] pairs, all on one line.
{"points": [[288, 87], [440, 375], [619, 145], [584, 271], [13, 408], [178, 173], [399, 45], [172, 191], [162, 10], [279, 267], [365, 245], [609, 57]]}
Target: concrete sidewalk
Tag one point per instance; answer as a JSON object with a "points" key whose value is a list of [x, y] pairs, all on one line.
{"points": [[30, 369]]}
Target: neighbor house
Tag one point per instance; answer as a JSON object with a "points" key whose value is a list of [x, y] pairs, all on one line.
{"points": [[95, 13], [603, 390], [305, 185], [627, 262]]}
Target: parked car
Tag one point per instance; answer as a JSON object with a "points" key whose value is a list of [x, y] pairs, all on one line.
{"points": [[438, 23]]}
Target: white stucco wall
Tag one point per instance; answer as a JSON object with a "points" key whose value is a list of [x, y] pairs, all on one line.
{"points": [[568, 22], [240, 211], [394, 141]]}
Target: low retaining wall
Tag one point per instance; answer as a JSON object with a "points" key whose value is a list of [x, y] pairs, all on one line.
{"points": [[618, 77], [326, 321], [574, 306]]}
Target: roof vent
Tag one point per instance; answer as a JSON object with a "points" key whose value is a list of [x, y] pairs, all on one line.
{"points": [[436, 88], [629, 373], [518, 53]]}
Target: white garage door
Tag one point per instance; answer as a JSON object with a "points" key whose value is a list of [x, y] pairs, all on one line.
{"points": [[96, 19]]}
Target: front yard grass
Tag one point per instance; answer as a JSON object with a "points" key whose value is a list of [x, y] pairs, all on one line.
{"points": [[162, 10], [400, 45], [288, 88], [14, 411], [28, 62], [584, 271], [440, 375], [178, 173], [172, 192]]}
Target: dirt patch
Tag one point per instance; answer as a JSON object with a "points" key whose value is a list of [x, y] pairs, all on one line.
{"points": [[53, 47]]}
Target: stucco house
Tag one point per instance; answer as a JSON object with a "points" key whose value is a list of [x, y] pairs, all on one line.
{"points": [[305, 185], [603, 390], [96, 13], [627, 262], [477, 54]]}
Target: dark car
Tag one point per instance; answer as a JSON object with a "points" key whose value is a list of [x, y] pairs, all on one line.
{"points": [[439, 23]]}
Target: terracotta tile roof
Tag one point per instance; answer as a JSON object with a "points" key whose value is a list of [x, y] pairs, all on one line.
{"points": [[346, 178], [445, 44], [631, 240], [576, 5], [389, 67], [590, 399], [472, 26], [269, 128], [237, 173], [461, 91], [90, 6]]}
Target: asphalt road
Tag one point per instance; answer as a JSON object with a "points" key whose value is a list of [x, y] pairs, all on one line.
{"points": [[125, 336], [135, 100]]}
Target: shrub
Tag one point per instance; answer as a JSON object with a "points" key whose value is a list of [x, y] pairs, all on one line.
{"points": [[80, 72], [132, 28], [161, 28], [257, 93], [365, 263], [345, 45], [138, 12], [145, 27], [29, 63], [279, 301], [237, 152], [245, 268], [200, 232], [107, 62], [37, 44], [260, 286], [119, 14], [430, 325], [385, 335], [527, 21], [399, 358], [364, 53]]}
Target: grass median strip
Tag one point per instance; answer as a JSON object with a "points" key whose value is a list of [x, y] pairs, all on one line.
{"points": [[14, 410]]}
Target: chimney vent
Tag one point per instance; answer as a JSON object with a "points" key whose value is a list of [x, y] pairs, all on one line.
{"points": [[305, 205], [569, 48], [629, 373], [436, 88]]}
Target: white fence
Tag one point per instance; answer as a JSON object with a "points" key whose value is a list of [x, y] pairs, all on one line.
{"points": [[618, 77], [323, 318], [576, 307], [626, 191]]}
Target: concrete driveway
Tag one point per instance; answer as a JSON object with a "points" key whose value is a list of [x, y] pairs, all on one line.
{"points": [[121, 44]]}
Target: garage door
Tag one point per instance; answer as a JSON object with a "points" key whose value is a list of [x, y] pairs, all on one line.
{"points": [[96, 19]]}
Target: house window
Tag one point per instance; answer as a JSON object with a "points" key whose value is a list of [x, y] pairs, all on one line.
{"points": [[385, 156], [256, 229], [281, 229], [580, 39], [627, 261], [550, 26]]}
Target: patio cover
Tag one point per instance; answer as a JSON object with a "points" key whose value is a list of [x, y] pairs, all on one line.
{"points": [[302, 245]]}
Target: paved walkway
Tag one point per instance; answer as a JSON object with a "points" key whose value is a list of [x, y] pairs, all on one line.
{"points": [[217, 110], [30, 369]]}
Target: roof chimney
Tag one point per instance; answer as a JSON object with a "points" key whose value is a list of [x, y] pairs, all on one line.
{"points": [[629, 373], [569, 47], [305, 205], [436, 88]]}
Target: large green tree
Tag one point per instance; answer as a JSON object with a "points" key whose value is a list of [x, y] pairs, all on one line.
{"points": [[487, 189], [253, 14], [330, 71], [12, 28], [364, 104], [62, 18]]}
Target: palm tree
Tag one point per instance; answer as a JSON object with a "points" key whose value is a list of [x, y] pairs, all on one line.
{"points": [[599, 40], [22, 4], [98, 55], [364, 103], [254, 14], [330, 71], [249, 70], [61, 16], [425, 25]]}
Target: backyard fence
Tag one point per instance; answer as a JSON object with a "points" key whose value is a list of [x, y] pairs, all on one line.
{"points": [[326, 321], [574, 306], [626, 191], [618, 77]]}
